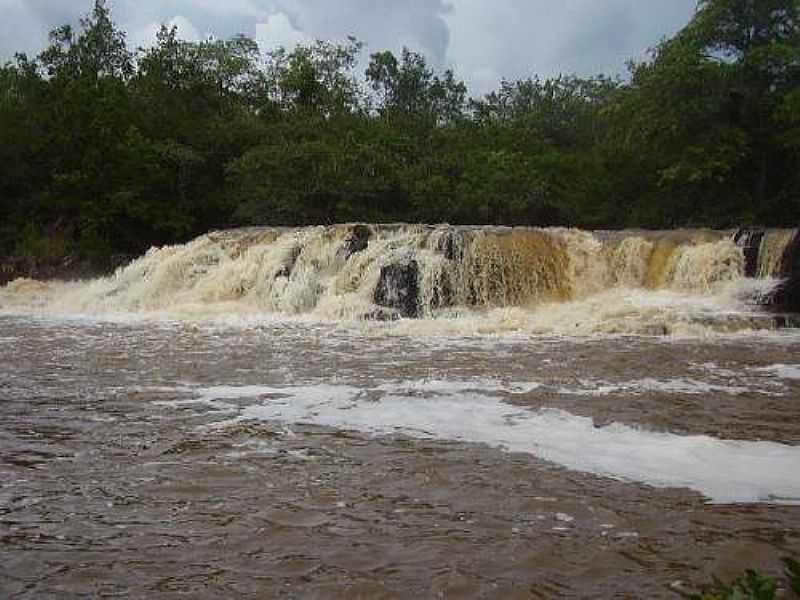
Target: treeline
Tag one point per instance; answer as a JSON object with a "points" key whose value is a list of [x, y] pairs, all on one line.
{"points": [[104, 150]]}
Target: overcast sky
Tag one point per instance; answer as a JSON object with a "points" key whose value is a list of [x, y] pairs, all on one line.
{"points": [[482, 40]]}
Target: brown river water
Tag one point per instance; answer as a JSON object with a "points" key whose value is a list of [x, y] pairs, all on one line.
{"points": [[177, 431]]}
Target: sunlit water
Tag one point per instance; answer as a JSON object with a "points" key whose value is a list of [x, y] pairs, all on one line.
{"points": [[214, 448]]}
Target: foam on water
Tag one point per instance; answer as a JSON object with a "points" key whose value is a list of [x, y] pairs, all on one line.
{"points": [[783, 371], [451, 387], [690, 387], [725, 471]]}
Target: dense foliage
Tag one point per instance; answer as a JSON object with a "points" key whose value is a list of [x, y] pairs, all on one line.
{"points": [[104, 150]]}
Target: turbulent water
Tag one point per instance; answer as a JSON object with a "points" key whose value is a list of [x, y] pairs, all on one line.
{"points": [[399, 411], [538, 280]]}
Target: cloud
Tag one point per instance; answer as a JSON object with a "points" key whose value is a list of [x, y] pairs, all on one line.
{"points": [[517, 39], [146, 36], [279, 31], [21, 29], [482, 40], [381, 24]]}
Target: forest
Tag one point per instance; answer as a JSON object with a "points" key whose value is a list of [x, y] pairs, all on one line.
{"points": [[109, 150]]}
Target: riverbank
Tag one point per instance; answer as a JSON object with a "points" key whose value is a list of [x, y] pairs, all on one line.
{"points": [[68, 268]]}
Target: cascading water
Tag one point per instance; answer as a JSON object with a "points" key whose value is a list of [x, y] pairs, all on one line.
{"points": [[545, 280]]}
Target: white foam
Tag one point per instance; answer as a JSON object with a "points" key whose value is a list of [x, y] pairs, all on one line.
{"points": [[455, 387], [725, 471], [641, 386], [783, 371]]}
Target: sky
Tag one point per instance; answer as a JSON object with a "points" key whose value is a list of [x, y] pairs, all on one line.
{"points": [[481, 40]]}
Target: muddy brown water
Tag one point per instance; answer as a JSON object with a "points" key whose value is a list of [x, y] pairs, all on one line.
{"points": [[115, 481]]}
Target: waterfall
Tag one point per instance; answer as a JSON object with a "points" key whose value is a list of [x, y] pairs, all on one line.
{"points": [[388, 272]]}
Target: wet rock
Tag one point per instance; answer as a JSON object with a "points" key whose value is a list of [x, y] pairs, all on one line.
{"points": [[357, 241], [10, 269], [287, 267], [65, 268], [398, 288], [443, 293], [749, 240], [786, 321], [786, 297], [382, 315], [451, 245], [655, 330], [118, 261]]}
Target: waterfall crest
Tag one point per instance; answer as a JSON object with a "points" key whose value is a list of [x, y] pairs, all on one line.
{"points": [[389, 272]]}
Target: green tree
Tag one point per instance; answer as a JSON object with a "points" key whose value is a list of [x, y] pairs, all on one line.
{"points": [[409, 91], [701, 116], [317, 78]]}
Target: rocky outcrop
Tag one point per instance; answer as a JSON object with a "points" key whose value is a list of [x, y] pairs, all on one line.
{"points": [[451, 245], [357, 241], [398, 288], [288, 265], [381, 314], [786, 297], [749, 240], [67, 268]]}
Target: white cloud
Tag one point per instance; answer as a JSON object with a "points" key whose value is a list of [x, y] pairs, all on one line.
{"points": [[483, 40], [381, 24], [186, 29], [146, 36], [20, 29], [279, 31], [248, 8], [517, 39]]}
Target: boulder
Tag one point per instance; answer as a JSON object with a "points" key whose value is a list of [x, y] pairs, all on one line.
{"points": [[443, 293], [451, 245], [381, 314], [786, 297], [286, 268], [66, 268], [356, 241], [749, 240], [11, 269], [398, 288]]}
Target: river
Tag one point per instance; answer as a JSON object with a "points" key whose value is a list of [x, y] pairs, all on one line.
{"points": [[334, 412]]}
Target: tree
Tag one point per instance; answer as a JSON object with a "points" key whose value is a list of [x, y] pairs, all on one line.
{"points": [[409, 91], [99, 51], [700, 116], [317, 78], [760, 40], [563, 112], [103, 150]]}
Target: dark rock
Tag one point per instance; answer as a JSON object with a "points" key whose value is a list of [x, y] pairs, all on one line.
{"points": [[64, 268], [287, 267], [118, 261], [381, 314], [786, 297], [398, 288], [786, 321], [11, 269], [749, 240], [357, 241], [443, 293], [451, 245]]}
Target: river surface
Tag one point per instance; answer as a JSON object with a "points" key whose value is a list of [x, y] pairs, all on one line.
{"points": [[303, 459], [405, 411]]}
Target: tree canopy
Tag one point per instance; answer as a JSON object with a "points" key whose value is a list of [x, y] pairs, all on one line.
{"points": [[105, 149]]}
